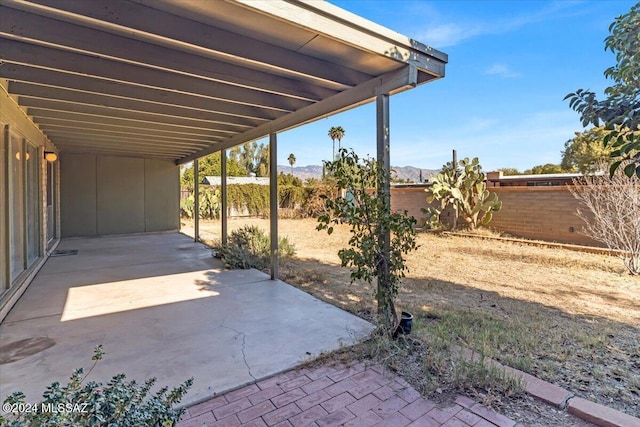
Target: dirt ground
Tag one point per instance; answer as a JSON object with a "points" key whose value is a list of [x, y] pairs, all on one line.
{"points": [[571, 318]]}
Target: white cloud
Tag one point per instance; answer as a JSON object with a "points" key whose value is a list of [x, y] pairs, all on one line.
{"points": [[443, 34], [501, 70]]}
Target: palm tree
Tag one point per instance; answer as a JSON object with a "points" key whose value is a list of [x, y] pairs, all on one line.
{"points": [[336, 132], [292, 161]]}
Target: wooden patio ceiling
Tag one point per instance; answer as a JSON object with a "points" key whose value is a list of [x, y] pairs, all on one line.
{"points": [[178, 79]]}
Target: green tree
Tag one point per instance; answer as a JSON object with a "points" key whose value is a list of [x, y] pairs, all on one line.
{"points": [[543, 169], [585, 151], [510, 171], [248, 156], [370, 220], [289, 180], [253, 157], [210, 166], [620, 110], [262, 160], [292, 161], [336, 133]]}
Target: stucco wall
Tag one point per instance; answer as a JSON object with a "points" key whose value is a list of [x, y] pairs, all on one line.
{"points": [[78, 195], [102, 195], [543, 213]]}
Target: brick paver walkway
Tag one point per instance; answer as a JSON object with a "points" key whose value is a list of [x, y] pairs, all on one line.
{"points": [[356, 395]]}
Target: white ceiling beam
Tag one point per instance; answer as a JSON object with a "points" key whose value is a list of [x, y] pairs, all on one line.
{"points": [[169, 30], [68, 140], [27, 90], [59, 60], [47, 77], [38, 114], [62, 138], [55, 33], [393, 82], [48, 123], [123, 135], [124, 114], [89, 145], [117, 153]]}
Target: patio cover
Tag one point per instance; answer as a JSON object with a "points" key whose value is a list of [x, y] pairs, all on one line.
{"points": [[181, 79]]}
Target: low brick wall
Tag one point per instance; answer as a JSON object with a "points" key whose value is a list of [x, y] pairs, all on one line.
{"points": [[541, 213], [545, 213], [411, 199]]}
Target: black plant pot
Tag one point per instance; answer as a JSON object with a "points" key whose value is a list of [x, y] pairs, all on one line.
{"points": [[406, 321]]}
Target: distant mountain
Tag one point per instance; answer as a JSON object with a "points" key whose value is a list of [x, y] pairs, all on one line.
{"points": [[401, 172], [412, 173], [302, 172]]}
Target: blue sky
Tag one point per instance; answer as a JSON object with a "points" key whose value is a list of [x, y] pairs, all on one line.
{"points": [[510, 65]]}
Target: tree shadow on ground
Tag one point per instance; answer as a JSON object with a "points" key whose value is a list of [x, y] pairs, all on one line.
{"points": [[591, 355]]}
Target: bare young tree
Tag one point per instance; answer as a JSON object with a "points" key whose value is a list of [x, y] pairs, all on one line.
{"points": [[610, 208]]}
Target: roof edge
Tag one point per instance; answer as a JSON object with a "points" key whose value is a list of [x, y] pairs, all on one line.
{"points": [[346, 27]]}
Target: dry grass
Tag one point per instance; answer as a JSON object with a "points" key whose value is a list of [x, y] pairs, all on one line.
{"points": [[568, 317]]}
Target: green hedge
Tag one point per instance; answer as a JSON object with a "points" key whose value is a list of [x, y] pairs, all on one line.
{"points": [[254, 199]]}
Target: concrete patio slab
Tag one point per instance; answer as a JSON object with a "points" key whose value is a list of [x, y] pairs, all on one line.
{"points": [[163, 307]]}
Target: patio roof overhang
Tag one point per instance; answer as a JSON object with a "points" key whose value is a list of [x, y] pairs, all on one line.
{"points": [[181, 79]]}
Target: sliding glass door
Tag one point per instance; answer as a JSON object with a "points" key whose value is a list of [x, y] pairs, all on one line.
{"points": [[22, 192], [16, 207], [32, 203]]}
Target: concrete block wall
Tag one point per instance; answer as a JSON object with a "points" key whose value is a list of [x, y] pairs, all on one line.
{"points": [[541, 213], [544, 213], [411, 199]]}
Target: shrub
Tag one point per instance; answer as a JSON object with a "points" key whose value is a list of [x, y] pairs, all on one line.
{"points": [[118, 403], [612, 214], [249, 247], [291, 196], [316, 192], [380, 239], [253, 198], [288, 179]]}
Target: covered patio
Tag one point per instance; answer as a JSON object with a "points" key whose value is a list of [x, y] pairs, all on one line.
{"points": [[101, 102], [173, 312]]}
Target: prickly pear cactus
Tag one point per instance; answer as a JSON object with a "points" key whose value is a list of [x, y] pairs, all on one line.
{"points": [[465, 190]]}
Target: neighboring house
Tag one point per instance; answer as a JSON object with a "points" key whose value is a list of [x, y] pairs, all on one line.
{"points": [[216, 180], [497, 179]]}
